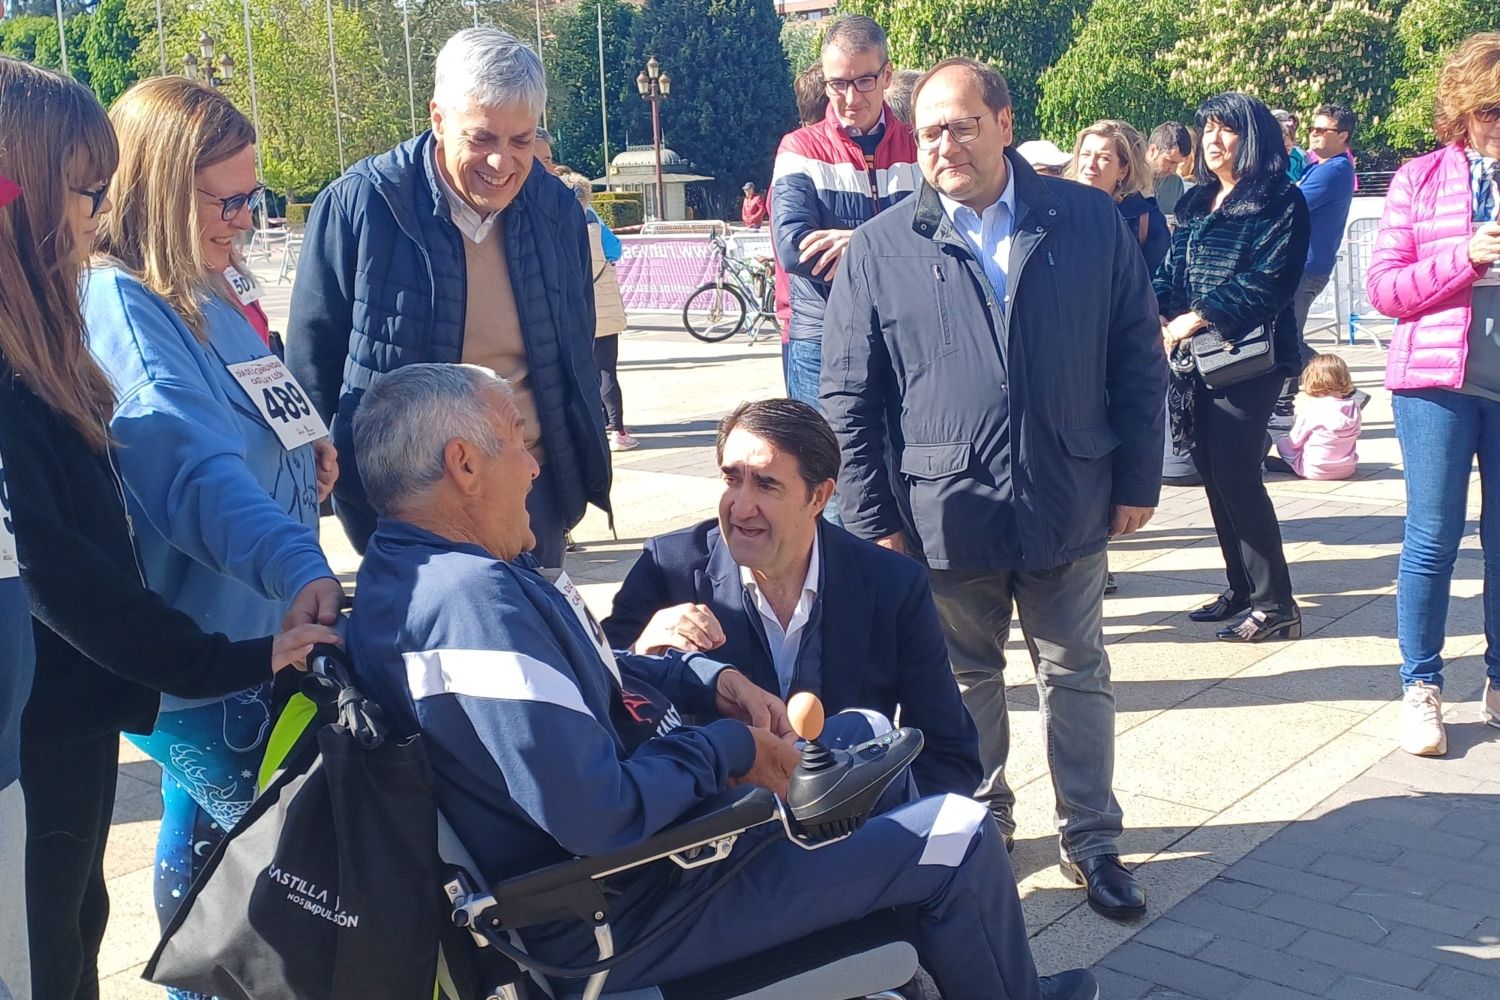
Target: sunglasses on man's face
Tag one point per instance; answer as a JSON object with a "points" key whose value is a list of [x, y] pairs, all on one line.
{"points": [[235, 203], [95, 196]]}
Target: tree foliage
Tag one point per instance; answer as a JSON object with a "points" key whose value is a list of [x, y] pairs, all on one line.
{"points": [[802, 42], [33, 37], [573, 83], [294, 87], [1113, 69], [1020, 38], [1289, 53], [731, 96], [1427, 32], [106, 49], [101, 45]]}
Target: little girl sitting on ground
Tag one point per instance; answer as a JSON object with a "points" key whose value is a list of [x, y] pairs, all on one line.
{"points": [[1323, 436]]}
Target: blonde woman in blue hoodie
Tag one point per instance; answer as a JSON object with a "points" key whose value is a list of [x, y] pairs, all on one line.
{"points": [[223, 461]]}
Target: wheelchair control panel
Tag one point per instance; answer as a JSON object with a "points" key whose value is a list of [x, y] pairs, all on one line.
{"points": [[833, 791]]}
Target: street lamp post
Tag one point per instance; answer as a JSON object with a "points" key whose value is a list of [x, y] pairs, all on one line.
{"points": [[215, 74], [655, 86]]}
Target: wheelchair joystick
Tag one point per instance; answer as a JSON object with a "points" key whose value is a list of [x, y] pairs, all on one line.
{"points": [[806, 714], [832, 791]]}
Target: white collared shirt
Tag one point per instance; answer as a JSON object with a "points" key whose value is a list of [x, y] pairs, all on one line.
{"points": [[988, 235], [474, 226], [856, 131], [785, 643]]}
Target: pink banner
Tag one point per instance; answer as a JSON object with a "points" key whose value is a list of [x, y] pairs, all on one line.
{"points": [[657, 273]]}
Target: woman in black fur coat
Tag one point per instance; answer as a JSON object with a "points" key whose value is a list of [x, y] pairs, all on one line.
{"points": [[1235, 262]]}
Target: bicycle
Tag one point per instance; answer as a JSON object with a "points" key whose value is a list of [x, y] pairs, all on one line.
{"points": [[717, 310]]}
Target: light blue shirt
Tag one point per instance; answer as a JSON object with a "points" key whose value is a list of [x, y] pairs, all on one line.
{"points": [[988, 235]]}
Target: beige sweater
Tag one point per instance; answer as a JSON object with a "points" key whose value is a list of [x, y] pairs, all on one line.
{"points": [[492, 327]]}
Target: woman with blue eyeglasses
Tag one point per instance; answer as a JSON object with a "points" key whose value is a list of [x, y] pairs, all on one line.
{"points": [[224, 461]]}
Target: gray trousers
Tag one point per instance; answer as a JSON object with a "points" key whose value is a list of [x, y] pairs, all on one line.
{"points": [[1062, 618], [15, 959], [1308, 289]]}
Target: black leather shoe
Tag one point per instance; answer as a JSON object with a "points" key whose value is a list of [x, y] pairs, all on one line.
{"points": [[1258, 626], [1075, 984], [1113, 890], [1222, 608]]}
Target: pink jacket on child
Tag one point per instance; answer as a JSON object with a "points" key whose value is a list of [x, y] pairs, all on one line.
{"points": [[1420, 272], [1322, 441]]}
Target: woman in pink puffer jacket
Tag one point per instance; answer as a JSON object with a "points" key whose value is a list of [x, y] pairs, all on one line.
{"points": [[1434, 270]]}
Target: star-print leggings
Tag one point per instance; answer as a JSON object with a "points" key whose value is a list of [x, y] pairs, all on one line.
{"points": [[209, 757]]}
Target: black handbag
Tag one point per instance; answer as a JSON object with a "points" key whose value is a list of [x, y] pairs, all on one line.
{"points": [[1223, 362], [328, 886]]}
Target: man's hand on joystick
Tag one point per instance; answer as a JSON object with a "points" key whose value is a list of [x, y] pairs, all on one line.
{"points": [[775, 760]]}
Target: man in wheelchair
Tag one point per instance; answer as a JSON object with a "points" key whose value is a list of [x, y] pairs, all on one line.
{"points": [[545, 745]]}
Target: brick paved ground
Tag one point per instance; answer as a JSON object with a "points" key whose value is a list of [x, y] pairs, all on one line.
{"points": [[1283, 846], [1388, 889]]}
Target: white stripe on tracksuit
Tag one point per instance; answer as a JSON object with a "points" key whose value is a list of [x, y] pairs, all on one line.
{"points": [[490, 673]]}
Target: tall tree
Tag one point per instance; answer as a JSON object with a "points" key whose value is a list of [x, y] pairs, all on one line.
{"points": [[802, 41], [1113, 69], [294, 85], [731, 91], [1290, 53], [1427, 32], [573, 83], [1020, 38], [107, 47]]}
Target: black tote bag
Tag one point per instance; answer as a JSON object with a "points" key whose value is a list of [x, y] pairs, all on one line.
{"points": [[328, 887]]}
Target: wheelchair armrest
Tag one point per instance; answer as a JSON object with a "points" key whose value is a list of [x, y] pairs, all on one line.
{"points": [[568, 889]]}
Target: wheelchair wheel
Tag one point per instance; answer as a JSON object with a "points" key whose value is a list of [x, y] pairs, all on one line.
{"points": [[714, 312]]}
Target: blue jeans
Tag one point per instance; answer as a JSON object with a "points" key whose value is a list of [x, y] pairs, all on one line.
{"points": [[804, 368], [1441, 432], [803, 362]]}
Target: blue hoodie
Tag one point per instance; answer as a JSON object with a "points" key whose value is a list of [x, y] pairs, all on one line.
{"points": [[226, 518], [17, 654], [519, 714]]}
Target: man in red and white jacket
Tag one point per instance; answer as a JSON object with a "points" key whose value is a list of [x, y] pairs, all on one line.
{"points": [[832, 176]]}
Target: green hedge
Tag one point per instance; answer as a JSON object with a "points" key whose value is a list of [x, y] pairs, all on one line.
{"points": [[619, 208], [296, 213]]}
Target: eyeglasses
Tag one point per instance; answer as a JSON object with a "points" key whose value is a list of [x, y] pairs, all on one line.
{"points": [[96, 197], [231, 206], [1318, 130], [962, 129], [1489, 115], [863, 84]]}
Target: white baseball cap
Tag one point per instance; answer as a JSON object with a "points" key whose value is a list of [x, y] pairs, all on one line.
{"points": [[1041, 153]]}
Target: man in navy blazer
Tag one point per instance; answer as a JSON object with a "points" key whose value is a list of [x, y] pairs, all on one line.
{"points": [[799, 604]]}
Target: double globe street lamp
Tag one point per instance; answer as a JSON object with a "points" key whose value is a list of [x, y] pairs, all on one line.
{"points": [[655, 86]]}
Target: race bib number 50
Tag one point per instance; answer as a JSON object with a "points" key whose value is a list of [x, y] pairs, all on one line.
{"points": [[280, 400], [10, 566]]}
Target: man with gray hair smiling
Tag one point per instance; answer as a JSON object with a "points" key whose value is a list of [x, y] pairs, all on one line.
{"points": [[458, 246], [546, 745]]}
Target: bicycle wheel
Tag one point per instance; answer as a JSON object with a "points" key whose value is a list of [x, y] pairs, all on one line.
{"points": [[714, 312]]}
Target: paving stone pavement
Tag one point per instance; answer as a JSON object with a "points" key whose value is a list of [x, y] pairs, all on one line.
{"points": [[1389, 888], [1286, 850]]}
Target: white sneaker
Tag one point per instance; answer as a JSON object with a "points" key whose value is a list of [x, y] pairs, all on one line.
{"points": [[1491, 709], [622, 441], [1422, 721]]}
